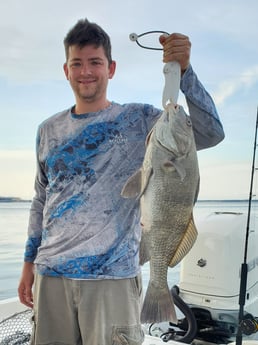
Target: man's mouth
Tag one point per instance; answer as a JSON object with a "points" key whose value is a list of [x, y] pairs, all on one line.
{"points": [[87, 81]]}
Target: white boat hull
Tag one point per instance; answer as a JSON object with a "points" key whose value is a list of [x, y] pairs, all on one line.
{"points": [[9, 307]]}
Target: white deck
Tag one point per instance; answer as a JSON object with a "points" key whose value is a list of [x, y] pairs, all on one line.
{"points": [[12, 306], [9, 307]]}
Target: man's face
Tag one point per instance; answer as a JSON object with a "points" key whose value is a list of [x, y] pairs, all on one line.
{"points": [[88, 72]]}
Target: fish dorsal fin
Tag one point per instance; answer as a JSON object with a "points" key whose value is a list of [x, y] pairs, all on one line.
{"points": [[186, 243], [135, 186], [148, 137], [132, 187]]}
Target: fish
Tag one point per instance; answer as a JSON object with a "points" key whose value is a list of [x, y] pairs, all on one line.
{"points": [[167, 185]]}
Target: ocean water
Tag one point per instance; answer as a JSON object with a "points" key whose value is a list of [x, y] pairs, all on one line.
{"points": [[13, 227]]}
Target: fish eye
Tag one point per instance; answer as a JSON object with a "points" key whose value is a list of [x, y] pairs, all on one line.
{"points": [[189, 122]]}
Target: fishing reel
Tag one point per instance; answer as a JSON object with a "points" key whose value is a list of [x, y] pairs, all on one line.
{"points": [[249, 324]]}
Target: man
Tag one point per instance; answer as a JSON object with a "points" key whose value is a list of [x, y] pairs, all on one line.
{"points": [[83, 237]]}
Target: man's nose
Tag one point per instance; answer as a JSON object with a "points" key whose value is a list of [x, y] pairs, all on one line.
{"points": [[86, 70]]}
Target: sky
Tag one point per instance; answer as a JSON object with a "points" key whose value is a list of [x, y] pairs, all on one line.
{"points": [[224, 55]]}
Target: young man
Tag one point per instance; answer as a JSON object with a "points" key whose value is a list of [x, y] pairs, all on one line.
{"points": [[83, 237]]}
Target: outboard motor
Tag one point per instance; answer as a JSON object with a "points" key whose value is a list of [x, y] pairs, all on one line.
{"points": [[210, 275]]}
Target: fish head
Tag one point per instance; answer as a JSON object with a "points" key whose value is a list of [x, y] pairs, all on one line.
{"points": [[173, 131]]}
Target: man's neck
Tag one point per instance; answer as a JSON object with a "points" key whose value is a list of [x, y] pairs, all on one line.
{"points": [[88, 107]]}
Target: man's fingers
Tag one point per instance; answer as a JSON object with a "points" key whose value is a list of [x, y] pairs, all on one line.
{"points": [[25, 296]]}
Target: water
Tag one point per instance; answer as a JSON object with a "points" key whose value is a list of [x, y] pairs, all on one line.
{"points": [[13, 227]]}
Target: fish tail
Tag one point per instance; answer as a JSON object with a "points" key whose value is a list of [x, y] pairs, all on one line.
{"points": [[158, 305]]}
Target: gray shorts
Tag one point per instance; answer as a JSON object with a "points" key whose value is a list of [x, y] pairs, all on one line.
{"points": [[87, 312]]}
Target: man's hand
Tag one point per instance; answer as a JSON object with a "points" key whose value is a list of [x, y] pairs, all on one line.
{"points": [[177, 47], [26, 283]]}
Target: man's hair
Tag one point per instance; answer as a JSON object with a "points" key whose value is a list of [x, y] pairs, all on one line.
{"points": [[86, 33]]}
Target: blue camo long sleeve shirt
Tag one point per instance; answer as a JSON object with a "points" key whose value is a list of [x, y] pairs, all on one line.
{"points": [[80, 227]]}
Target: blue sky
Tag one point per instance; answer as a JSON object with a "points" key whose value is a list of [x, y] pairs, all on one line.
{"points": [[224, 55]]}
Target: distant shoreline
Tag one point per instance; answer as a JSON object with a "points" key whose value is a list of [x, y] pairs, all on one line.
{"points": [[226, 200], [12, 199]]}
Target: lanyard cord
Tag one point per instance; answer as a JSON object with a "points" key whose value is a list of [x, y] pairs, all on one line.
{"points": [[134, 37]]}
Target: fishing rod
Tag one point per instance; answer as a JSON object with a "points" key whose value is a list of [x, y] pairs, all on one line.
{"points": [[246, 325]]}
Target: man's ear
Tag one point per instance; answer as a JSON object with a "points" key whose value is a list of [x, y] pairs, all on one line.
{"points": [[66, 70], [112, 69]]}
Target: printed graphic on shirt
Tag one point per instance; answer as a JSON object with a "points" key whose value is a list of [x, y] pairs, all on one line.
{"points": [[89, 230]]}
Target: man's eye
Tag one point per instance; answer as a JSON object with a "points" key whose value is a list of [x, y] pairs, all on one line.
{"points": [[76, 64], [96, 62]]}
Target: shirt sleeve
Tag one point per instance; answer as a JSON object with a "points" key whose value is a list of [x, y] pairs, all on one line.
{"points": [[207, 127], [36, 211]]}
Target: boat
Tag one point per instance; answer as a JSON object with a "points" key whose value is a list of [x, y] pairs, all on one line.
{"points": [[206, 297]]}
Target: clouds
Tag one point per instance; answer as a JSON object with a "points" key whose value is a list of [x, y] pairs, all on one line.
{"points": [[224, 40], [242, 82], [32, 32]]}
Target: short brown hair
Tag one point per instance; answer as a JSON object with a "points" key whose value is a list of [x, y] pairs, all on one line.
{"points": [[86, 33]]}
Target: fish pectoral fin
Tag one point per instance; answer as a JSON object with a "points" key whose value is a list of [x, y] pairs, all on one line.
{"points": [[180, 169], [175, 165], [132, 187], [185, 244]]}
